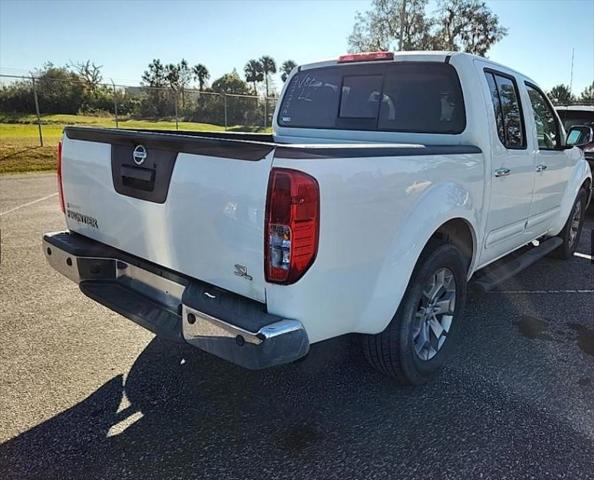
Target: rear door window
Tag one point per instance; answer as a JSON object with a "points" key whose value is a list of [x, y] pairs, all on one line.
{"points": [[507, 109], [496, 106], [423, 97], [512, 116]]}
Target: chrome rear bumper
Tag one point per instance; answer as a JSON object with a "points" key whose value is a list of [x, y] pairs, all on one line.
{"points": [[172, 305]]}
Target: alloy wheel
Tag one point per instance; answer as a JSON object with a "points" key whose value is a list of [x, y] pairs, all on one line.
{"points": [[433, 318], [576, 219]]}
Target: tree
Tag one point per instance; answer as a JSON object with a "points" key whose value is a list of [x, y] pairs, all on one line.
{"points": [[254, 73], [239, 110], [97, 97], [561, 95], [467, 25], [587, 95], [230, 83], [179, 77], [185, 75], [74, 88], [172, 76], [59, 89], [89, 74], [286, 69], [155, 75], [392, 25], [155, 79], [268, 67], [201, 75]]}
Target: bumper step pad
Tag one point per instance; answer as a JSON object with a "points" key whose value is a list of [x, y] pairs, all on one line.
{"points": [[136, 307]]}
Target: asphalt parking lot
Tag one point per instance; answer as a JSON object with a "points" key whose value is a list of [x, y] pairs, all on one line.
{"points": [[85, 393]]}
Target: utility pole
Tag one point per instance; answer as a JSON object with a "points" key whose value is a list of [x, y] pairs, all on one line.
{"points": [[225, 105], [571, 74], [115, 104], [176, 119], [35, 97]]}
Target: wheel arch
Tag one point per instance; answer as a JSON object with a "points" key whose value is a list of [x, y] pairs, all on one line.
{"points": [[579, 178], [588, 186], [460, 233], [457, 228]]}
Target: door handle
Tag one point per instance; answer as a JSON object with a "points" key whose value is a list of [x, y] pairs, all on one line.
{"points": [[541, 168], [502, 172]]}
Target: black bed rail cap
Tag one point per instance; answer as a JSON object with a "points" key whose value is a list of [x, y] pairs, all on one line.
{"points": [[200, 143]]}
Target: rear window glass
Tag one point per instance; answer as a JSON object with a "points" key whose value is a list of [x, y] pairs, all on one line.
{"points": [[360, 96], [405, 97]]}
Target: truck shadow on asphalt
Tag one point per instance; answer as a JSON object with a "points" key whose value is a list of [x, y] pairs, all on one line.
{"points": [[506, 404], [185, 414]]}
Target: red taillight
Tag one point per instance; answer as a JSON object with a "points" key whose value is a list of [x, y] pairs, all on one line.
{"points": [[292, 225], [60, 183], [366, 57]]}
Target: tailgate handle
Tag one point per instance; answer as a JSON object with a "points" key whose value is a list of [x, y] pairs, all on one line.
{"points": [[138, 178], [143, 174]]}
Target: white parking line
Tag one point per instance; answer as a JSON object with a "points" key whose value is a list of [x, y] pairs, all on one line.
{"points": [[583, 255], [525, 292], [27, 204], [122, 425]]}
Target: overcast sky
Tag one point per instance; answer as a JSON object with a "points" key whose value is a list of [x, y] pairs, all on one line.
{"points": [[124, 36]]}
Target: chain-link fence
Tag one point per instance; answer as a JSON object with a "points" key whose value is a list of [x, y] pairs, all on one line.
{"points": [[47, 104]]}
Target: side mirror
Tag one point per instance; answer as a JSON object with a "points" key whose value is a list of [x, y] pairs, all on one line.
{"points": [[580, 135]]}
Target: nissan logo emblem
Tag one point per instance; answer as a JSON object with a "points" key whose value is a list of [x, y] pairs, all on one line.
{"points": [[139, 154]]}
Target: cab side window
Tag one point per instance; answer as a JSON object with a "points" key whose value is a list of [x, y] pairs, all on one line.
{"points": [[507, 108], [547, 129]]}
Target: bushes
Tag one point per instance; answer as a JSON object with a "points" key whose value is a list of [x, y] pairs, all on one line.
{"points": [[58, 91], [17, 98], [62, 91]]}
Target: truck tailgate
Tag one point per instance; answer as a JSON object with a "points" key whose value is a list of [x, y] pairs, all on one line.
{"points": [[192, 204]]}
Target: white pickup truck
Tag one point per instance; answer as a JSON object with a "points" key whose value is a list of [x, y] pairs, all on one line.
{"points": [[389, 181]]}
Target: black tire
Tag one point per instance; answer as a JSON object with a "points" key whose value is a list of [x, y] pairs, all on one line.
{"points": [[394, 351], [570, 241]]}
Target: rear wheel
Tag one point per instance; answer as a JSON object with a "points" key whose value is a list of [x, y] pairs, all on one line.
{"points": [[573, 228], [417, 341]]}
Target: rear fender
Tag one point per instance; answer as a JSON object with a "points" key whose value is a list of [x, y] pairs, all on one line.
{"points": [[579, 174], [438, 205]]}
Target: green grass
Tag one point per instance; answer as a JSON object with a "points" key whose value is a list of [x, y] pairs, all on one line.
{"points": [[19, 137], [17, 159]]}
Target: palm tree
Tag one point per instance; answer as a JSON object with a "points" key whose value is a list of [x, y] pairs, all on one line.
{"points": [[201, 75], [253, 73], [172, 76], [268, 67], [286, 68]]}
